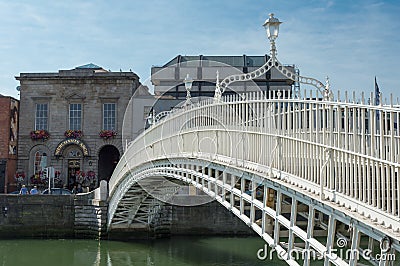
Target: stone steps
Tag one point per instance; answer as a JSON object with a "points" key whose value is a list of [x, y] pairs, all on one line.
{"points": [[90, 221]]}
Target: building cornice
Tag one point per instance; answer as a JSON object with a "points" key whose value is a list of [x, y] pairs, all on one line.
{"points": [[77, 75]]}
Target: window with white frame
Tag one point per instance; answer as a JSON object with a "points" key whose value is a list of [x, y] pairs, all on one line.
{"points": [[39, 161], [75, 116], [109, 116], [41, 116]]}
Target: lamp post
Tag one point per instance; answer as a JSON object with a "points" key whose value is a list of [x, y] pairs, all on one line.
{"points": [[188, 86], [271, 26]]}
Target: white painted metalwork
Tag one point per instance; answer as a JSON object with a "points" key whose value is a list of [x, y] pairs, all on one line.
{"points": [[272, 27], [217, 93], [273, 63], [188, 86], [341, 154], [161, 115]]}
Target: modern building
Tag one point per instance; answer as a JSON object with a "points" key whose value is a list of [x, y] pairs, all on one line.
{"points": [[72, 121], [9, 111], [168, 79]]}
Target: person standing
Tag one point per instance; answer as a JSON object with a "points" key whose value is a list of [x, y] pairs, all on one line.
{"points": [[34, 190], [24, 190]]}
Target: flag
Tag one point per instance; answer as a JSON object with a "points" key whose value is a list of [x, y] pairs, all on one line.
{"points": [[377, 93], [377, 101]]}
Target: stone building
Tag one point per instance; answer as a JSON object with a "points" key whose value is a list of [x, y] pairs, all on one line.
{"points": [[72, 121], [9, 109]]}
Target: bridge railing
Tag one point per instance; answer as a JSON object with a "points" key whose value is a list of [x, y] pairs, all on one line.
{"points": [[347, 148]]}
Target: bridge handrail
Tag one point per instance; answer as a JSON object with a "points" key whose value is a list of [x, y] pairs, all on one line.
{"points": [[347, 147]]}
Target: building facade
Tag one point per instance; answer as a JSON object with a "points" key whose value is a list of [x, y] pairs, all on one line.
{"points": [[9, 111], [72, 121]]}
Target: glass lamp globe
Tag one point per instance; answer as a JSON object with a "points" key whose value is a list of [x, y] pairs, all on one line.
{"points": [[271, 26], [188, 82]]}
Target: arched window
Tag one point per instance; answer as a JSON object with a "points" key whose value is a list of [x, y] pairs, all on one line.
{"points": [[39, 161]]}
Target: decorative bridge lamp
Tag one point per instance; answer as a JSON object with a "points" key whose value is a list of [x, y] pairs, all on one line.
{"points": [[271, 26], [188, 86]]}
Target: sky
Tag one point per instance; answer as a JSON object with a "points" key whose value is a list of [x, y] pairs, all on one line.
{"points": [[349, 41]]}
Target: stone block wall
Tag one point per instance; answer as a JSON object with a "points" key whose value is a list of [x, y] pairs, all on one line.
{"points": [[85, 216], [54, 216], [37, 216], [208, 219]]}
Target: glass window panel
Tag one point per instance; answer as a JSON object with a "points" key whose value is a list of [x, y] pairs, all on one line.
{"points": [[109, 116], [75, 116], [41, 115], [37, 160]]}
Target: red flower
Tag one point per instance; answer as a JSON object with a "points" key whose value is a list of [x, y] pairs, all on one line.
{"points": [[106, 134], [74, 134], [39, 134], [91, 174], [20, 174]]}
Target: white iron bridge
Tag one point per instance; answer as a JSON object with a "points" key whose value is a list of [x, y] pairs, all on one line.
{"points": [[307, 175]]}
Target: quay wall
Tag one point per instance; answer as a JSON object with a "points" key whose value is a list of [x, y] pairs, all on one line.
{"points": [[36, 216], [207, 219], [85, 216], [52, 216]]}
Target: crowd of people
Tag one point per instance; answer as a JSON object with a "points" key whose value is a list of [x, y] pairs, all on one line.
{"points": [[77, 188]]}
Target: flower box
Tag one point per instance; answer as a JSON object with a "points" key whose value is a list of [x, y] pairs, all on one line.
{"points": [[39, 135], [73, 134], [106, 134]]}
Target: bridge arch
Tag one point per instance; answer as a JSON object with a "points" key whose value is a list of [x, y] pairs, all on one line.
{"points": [[248, 195]]}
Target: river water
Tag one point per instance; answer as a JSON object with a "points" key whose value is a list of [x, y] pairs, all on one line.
{"points": [[175, 251]]}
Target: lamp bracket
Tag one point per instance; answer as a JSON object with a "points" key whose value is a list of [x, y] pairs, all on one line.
{"points": [[271, 63]]}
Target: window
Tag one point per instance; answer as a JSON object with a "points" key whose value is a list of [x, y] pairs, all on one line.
{"points": [[40, 162], [109, 115], [75, 116], [41, 116], [146, 111]]}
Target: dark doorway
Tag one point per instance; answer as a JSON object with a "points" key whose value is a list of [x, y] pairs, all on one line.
{"points": [[73, 167], [108, 159]]}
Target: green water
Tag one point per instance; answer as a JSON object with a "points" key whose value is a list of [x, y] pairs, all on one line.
{"points": [[176, 251]]}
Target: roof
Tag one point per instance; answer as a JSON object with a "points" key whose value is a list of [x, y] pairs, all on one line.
{"points": [[89, 66], [235, 61]]}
